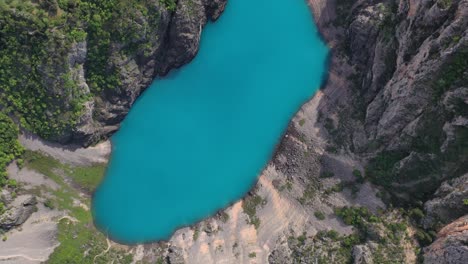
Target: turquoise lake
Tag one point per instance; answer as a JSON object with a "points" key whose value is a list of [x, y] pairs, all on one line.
{"points": [[197, 140]]}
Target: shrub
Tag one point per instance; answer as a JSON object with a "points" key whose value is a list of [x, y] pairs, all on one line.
{"points": [[49, 204], [250, 208], [416, 213], [333, 235], [359, 178], [319, 215], [327, 174], [355, 216]]}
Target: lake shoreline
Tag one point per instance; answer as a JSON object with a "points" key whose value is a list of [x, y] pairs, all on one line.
{"points": [[329, 92]]}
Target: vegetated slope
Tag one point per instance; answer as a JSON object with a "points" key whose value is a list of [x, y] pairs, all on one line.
{"points": [[71, 69], [9, 150]]}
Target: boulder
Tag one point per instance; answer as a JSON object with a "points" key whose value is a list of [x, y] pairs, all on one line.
{"points": [[451, 245], [18, 212], [448, 203], [175, 256]]}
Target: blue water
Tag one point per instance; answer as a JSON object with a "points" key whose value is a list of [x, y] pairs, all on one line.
{"points": [[196, 140]]}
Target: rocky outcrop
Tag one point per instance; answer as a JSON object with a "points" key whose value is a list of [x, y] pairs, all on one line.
{"points": [[406, 109], [76, 81], [175, 256], [451, 245], [449, 202], [168, 43], [5, 196], [18, 212], [362, 254]]}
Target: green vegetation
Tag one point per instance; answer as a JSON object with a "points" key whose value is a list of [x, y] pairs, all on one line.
{"points": [[252, 255], [356, 216], [79, 241], [388, 24], [49, 203], [465, 202], [88, 177], [444, 4], [359, 178], [250, 205], [10, 149], [380, 168], [170, 5], [286, 186], [454, 73], [309, 192], [328, 247], [416, 213], [302, 122], [388, 230], [37, 83], [335, 188], [196, 234], [319, 215], [327, 174], [224, 216]]}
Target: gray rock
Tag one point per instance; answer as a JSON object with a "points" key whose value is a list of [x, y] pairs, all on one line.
{"points": [[362, 254], [448, 203], [5, 196], [451, 245], [281, 255], [400, 52], [175, 256], [18, 212]]}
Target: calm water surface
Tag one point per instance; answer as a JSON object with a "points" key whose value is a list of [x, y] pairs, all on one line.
{"points": [[197, 140]]}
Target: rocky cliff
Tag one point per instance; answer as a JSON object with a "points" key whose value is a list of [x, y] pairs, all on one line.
{"points": [[401, 71], [176, 41], [406, 72], [90, 60]]}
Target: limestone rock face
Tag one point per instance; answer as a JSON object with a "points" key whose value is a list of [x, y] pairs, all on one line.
{"points": [[161, 40], [408, 97], [18, 212], [448, 203], [451, 245]]}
